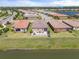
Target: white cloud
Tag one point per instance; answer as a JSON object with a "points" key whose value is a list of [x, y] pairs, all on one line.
{"points": [[65, 3], [33, 3]]}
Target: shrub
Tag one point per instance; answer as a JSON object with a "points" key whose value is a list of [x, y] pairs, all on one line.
{"points": [[56, 17], [70, 31], [31, 31], [0, 32], [48, 33], [11, 29], [1, 26], [5, 30]]}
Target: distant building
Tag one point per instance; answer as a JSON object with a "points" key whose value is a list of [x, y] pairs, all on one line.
{"points": [[28, 14], [8, 19], [59, 26], [40, 28], [20, 25], [58, 15]]}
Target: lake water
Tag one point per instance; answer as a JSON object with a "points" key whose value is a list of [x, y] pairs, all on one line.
{"points": [[69, 13], [40, 54]]}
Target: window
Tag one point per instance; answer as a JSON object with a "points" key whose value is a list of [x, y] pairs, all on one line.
{"points": [[17, 29], [45, 29]]}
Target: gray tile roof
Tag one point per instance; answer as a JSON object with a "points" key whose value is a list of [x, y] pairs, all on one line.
{"points": [[73, 23], [39, 24], [6, 19], [58, 24]]}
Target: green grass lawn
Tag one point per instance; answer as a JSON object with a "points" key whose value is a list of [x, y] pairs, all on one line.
{"points": [[25, 40], [12, 40]]}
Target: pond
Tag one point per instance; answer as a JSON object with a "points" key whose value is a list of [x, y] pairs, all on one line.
{"points": [[40, 54], [70, 13]]}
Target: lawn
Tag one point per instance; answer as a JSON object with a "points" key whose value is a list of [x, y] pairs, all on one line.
{"points": [[63, 40], [22, 40], [14, 40]]}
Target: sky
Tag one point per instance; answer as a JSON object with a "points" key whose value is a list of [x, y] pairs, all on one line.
{"points": [[47, 3]]}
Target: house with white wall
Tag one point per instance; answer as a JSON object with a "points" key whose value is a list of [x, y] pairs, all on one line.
{"points": [[39, 28]]}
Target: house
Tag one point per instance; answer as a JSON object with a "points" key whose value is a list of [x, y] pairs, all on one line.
{"points": [[8, 19], [73, 23], [58, 15], [76, 15], [39, 28], [31, 15], [58, 26], [20, 25]]}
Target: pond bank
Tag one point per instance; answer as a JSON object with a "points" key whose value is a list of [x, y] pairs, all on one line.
{"points": [[40, 54]]}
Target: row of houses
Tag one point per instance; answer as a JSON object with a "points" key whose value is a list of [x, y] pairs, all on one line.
{"points": [[64, 25], [40, 27], [7, 19], [54, 14], [58, 26], [58, 15], [28, 14]]}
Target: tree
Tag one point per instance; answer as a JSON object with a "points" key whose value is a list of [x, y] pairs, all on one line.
{"points": [[1, 26], [56, 17]]}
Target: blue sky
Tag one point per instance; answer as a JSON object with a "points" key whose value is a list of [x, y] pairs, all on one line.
{"points": [[39, 3]]}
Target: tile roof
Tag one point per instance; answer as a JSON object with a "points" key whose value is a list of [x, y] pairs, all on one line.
{"points": [[57, 14], [6, 19], [21, 24], [27, 11], [39, 24], [72, 23], [58, 24], [77, 14]]}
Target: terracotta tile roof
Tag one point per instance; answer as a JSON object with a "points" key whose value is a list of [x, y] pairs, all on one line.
{"points": [[39, 24], [58, 24], [21, 24], [72, 23]]}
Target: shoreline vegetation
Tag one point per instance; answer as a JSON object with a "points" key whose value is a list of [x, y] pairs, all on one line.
{"points": [[43, 54]]}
